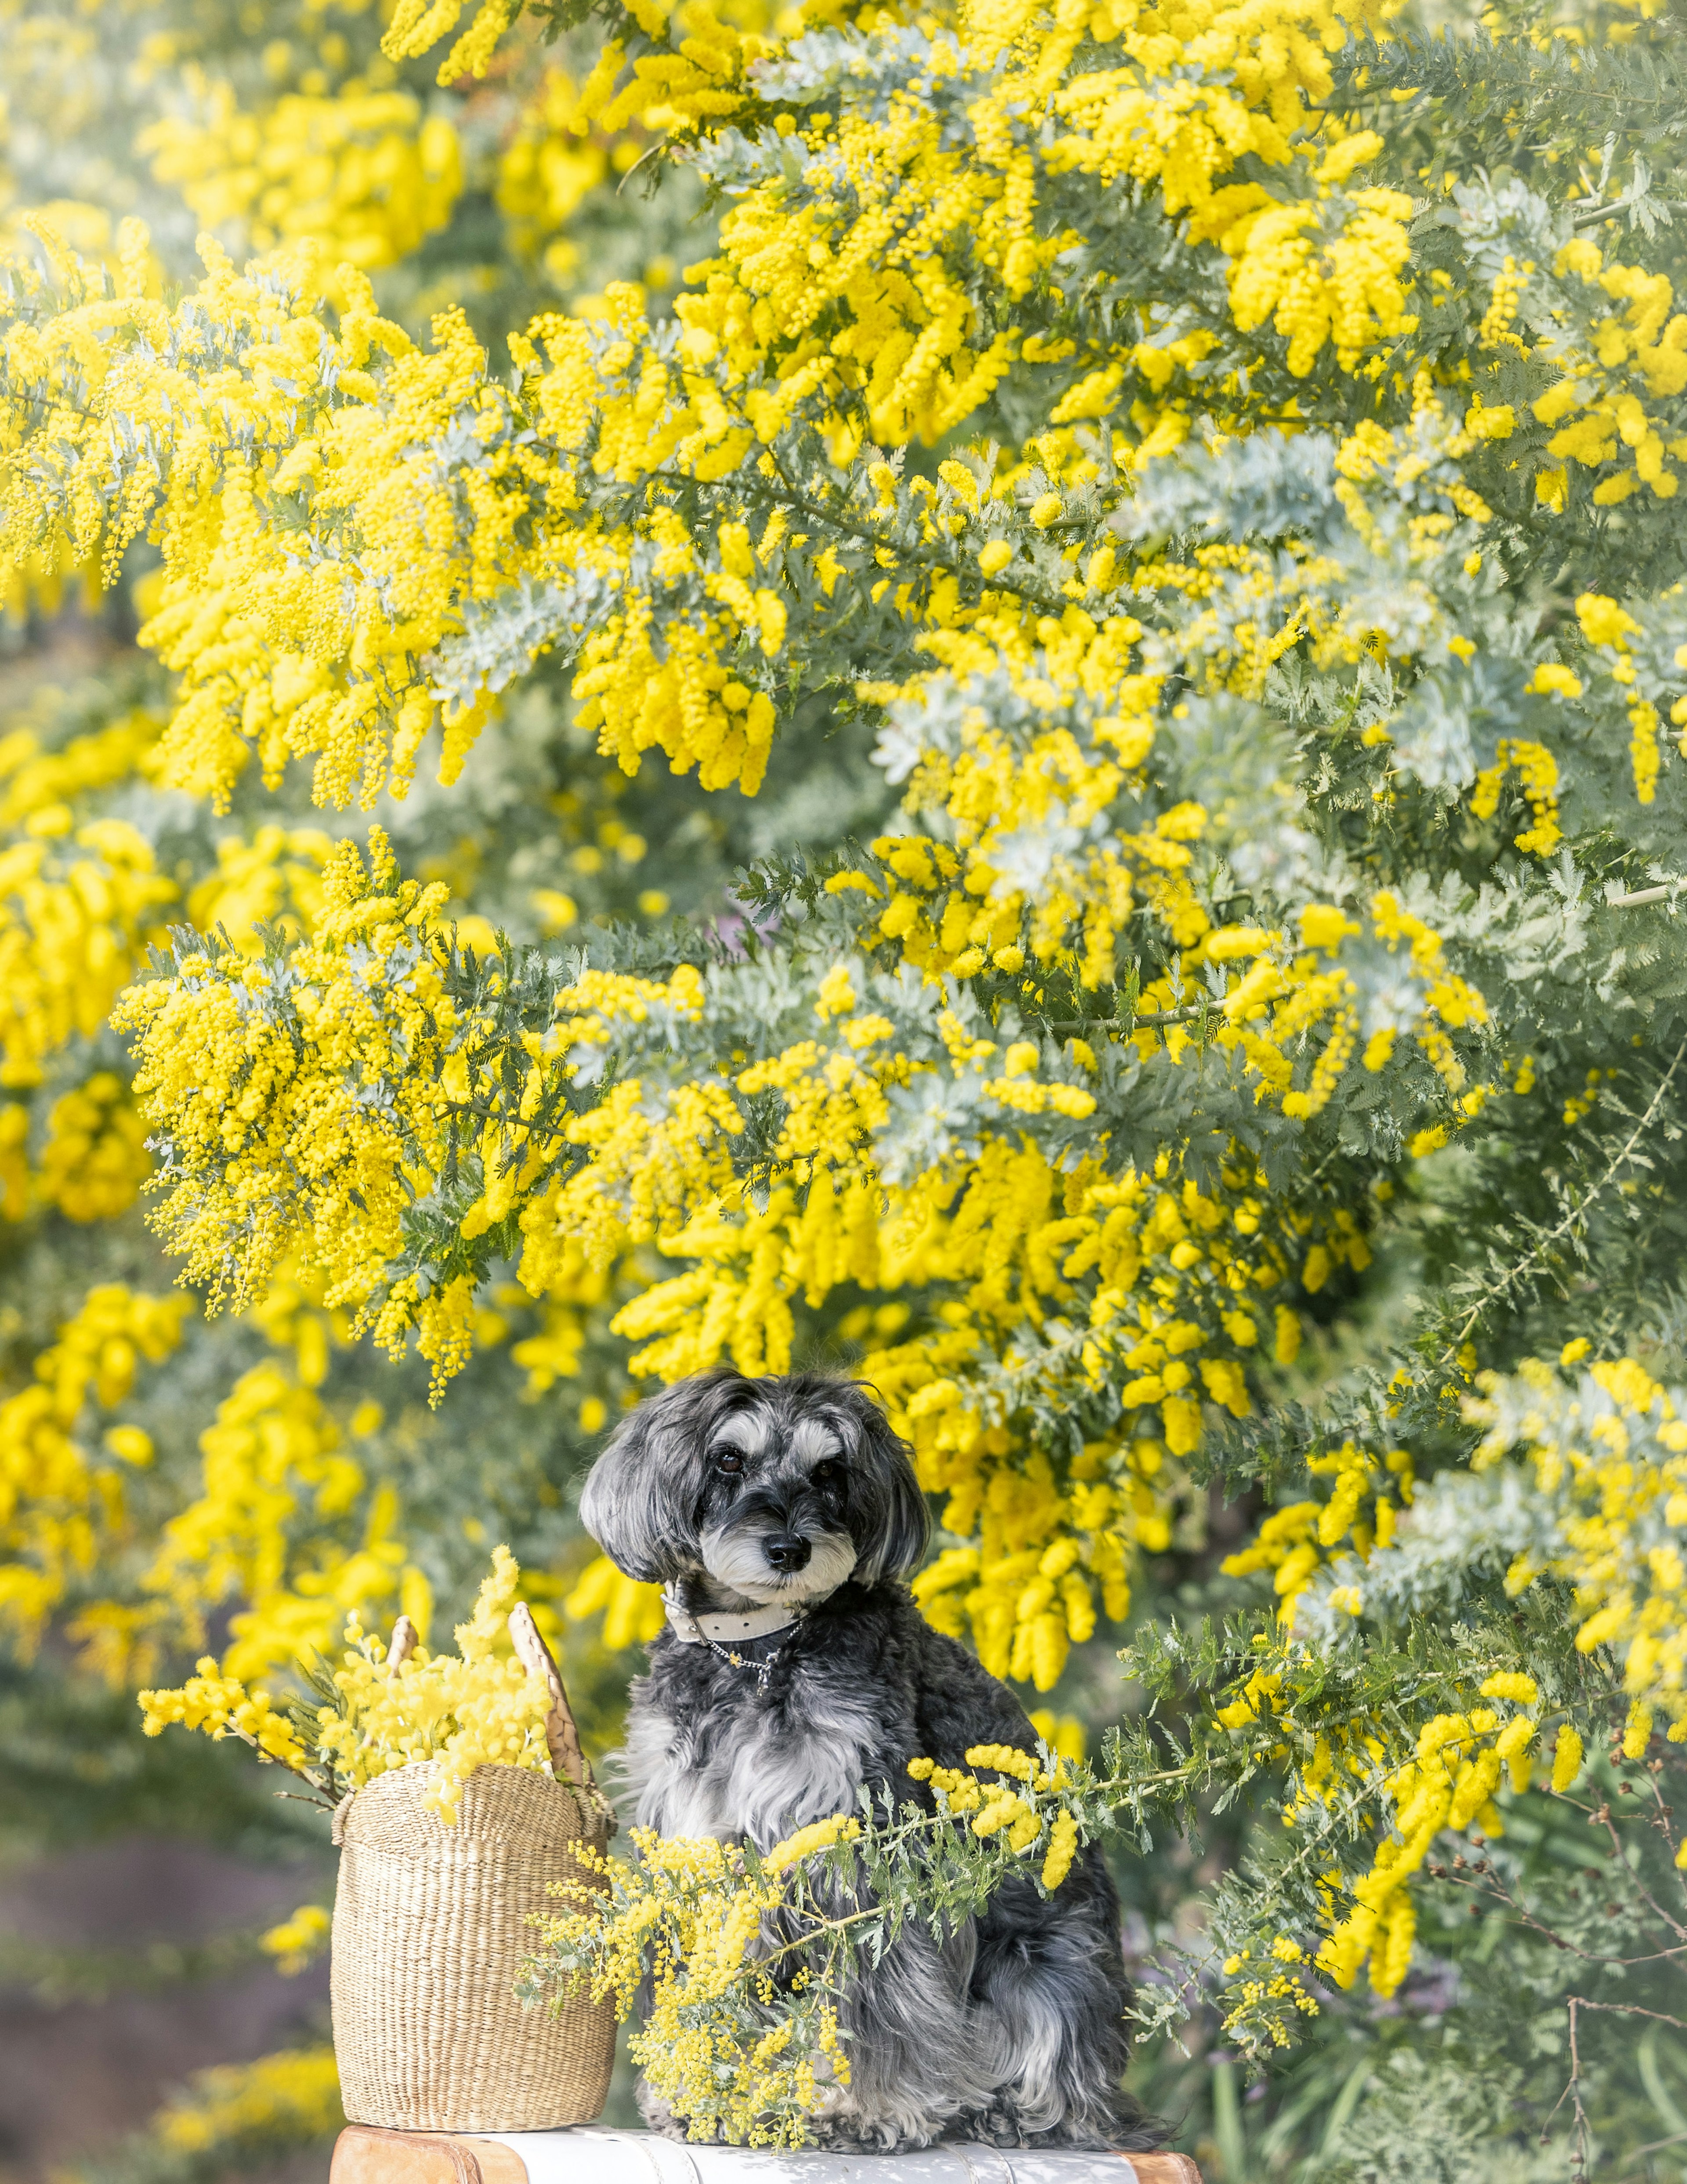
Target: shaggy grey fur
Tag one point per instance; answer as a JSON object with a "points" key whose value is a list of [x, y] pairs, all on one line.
{"points": [[744, 1492]]}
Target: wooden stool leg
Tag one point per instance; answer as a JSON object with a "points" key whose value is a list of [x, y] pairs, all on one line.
{"points": [[364, 2153]]}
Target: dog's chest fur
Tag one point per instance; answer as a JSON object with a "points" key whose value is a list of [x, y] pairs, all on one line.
{"points": [[724, 1761], [861, 1687], [709, 1753]]}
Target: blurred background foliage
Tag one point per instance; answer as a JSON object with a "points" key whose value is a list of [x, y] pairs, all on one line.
{"points": [[268, 123]]}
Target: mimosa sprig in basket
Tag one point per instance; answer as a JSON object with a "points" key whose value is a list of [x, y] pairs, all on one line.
{"points": [[460, 1801], [393, 1705]]}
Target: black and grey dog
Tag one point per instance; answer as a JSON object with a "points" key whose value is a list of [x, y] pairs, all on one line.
{"points": [[784, 1518]]}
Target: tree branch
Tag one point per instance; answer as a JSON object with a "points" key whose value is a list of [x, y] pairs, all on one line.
{"points": [[1618, 1160]]}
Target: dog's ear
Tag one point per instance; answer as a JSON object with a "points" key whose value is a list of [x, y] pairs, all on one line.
{"points": [[640, 1497], [890, 1521]]}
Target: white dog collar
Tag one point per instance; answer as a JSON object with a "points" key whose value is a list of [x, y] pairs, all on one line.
{"points": [[719, 1628]]}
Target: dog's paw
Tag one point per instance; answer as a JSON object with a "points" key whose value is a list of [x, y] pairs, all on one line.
{"points": [[998, 2125], [852, 2134], [1001, 2124], [658, 2116]]}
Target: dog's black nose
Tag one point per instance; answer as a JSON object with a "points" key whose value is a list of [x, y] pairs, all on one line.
{"points": [[785, 1552]]}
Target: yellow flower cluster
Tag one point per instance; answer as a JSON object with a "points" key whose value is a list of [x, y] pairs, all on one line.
{"points": [[550, 165], [1063, 1849], [359, 173], [1258, 1993], [480, 1707], [1604, 1456], [416, 25], [1326, 267], [633, 1613], [1459, 1762], [961, 913], [949, 910], [280, 684], [865, 284], [1609, 628], [1027, 1605], [95, 1159], [271, 1461], [294, 2095], [1537, 771], [1613, 397], [687, 1916], [1608, 1457], [1365, 1496], [78, 910], [1019, 1818], [297, 1941], [452, 1712], [62, 1507], [818, 1835], [200, 1040], [40, 788], [370, 950], [273, 877], [1566, 1757], [220, 1706]]}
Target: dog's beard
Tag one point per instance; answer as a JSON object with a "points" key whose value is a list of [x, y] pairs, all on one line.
{"points": [[734, 1562]]}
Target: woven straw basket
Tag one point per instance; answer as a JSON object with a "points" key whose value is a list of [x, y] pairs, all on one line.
{"points": [[429, 1929]]}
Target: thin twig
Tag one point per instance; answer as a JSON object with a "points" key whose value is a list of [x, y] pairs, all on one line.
{"points": [[1564, 2095], [1610, 211], [868, 533], [1653, 2146], [1628, 2009], [1618, 1160], [1603, 1819], [1661, 1820], [1078, 1025], [1573, 2091], [275, 1759], [1644, 896], [1491, 1885]]}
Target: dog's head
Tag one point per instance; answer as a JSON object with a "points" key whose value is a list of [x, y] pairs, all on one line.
{"points": [[778, 1490]]}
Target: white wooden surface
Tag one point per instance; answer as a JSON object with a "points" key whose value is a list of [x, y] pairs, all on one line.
{"points": [[591, 2155]]}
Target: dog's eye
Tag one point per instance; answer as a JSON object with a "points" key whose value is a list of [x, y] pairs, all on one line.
{"points": [[828, 1474], [729, 1460]]}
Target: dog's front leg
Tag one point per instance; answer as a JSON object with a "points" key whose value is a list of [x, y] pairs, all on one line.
{"points": [[911, 2048]]}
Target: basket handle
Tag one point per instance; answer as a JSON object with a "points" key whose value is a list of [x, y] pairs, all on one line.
{"points": [[400, 1646], [568, 1762]]}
